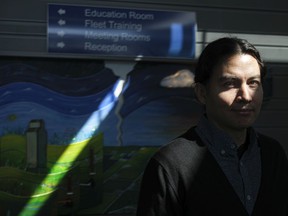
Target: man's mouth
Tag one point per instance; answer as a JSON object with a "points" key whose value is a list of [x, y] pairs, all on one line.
{"points": [[245, 111]]}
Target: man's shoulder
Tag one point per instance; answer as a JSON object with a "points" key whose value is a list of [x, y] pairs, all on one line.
{"points": [[183, 148], [268, 141], [270, 146]]}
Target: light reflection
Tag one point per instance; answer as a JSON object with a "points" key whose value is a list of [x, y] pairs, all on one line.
{"points": [[177, 39], [91, 125], [180, 79]]}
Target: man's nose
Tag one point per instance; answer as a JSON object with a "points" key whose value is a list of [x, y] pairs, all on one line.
{"points": [[244, 93]]}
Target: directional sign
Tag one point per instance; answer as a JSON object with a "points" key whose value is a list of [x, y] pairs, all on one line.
{"points": [[105, 31]]}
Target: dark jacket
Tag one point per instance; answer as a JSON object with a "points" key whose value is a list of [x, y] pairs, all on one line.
{"points": [[184, 179]]}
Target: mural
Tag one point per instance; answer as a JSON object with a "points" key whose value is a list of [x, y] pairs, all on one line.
{"points": [[75, 135]]}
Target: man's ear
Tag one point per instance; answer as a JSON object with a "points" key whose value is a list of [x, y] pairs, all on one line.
{"points": [[200, 92]]}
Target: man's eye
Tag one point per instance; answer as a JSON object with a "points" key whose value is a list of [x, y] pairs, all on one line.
{"points": [[229, 84], [254, 83]]}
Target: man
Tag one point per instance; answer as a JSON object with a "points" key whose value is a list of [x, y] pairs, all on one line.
{"points": [[221, 166]]}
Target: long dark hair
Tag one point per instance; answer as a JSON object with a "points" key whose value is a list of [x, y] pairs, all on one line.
{"points": [[218, 51]]}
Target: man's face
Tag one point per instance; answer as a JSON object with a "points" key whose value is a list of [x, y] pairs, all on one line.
{"points": [[233, 95]]}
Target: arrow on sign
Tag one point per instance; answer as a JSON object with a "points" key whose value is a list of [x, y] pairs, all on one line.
{"points": [[61, 22], [61, 44], [61, 33], [61, 11]]}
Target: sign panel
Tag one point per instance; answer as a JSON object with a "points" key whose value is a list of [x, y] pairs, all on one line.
{"points": [[121, 32]]}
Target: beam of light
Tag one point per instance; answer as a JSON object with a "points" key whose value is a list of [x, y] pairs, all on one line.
{"points": [[91, 126], [120, 118], [176, 41]]}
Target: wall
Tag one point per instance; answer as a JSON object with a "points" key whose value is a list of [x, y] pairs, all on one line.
{"points": [[264, 23], [23, 28]]}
